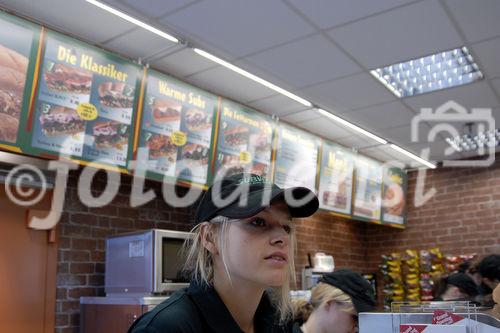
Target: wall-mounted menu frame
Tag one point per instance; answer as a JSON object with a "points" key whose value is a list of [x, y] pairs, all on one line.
{"points": [[336, 178], [85, 105], [367, 189], [19, 41], [296, 157], [177, 127], [244, 142], [394, 205]]}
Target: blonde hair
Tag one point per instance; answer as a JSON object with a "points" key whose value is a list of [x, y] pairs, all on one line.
{"points": [[321, 294], [200, 265]]}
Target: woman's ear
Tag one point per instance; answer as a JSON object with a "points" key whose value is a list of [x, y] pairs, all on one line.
{"points": [[328, 305], [208, 237]]}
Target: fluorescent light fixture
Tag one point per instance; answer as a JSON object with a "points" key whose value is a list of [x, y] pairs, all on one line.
{"points": [[413, 156], [133, 20], [434, 72], [253, 77], [352, 126]]}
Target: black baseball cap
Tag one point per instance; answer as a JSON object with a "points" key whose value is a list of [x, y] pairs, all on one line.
{"points": [[354, 285], [463, 282], [489, 267], [243, 195]]}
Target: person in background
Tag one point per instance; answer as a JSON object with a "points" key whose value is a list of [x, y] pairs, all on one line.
{"points": [[240, 260], [335, 303], [489, 269], [455, 287]]}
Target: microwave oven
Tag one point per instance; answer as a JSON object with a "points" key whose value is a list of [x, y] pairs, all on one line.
{"points": [[145, 262]]}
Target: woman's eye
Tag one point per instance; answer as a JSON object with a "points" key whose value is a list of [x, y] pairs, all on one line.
{"points": [[258, 222], [287, 228]]}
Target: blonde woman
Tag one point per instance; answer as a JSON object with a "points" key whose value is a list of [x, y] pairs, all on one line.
{"points": [[241, 261], [335, 303]]}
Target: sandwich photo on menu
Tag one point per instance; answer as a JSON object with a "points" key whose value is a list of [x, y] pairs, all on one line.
{"points": [[58, 120], [13, 67], [116, 95], [195, 155], [197, 120], [262, 145], [236, 136], [230, 164], [260, 169], [165, 111], [110, 134], [394, 200], [63, 78], [161, 146]]}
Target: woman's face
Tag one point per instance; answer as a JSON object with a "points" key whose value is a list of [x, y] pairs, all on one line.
{"points": [[339, 321], [258, 248]]}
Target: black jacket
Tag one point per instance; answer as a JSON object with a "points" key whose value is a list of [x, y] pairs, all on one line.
{"points": [[200, 309]]}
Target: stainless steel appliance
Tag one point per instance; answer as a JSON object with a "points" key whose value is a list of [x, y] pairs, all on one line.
{"points": [[145, 263]]}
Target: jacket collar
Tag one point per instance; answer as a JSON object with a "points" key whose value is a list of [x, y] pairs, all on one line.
{"points": [[218, 316]]}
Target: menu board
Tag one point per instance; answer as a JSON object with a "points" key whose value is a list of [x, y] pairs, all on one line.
{"points": [[18, 44], [245, 141], [336, 176], [296, 158], [394, 196], [86, 102], [368, 188], [176, 128]]}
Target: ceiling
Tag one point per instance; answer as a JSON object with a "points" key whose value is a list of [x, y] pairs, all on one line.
{"points": [[321, 50]]}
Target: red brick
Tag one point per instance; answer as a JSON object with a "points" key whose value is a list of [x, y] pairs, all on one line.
{"points": [[83, 244], [81, 292], [82, 268]]}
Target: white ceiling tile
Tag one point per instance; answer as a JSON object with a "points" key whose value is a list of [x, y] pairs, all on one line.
{"points": [[355, 141], [388, 115], [298, 117], [227, 83], [496, 85], [139, 43], [304, 62], [325, 128], [496, 114], [183, 63], [278, 105], [377, 153], [474, 95], [478, 19], [156, 8], [402, 34], [328, 13], [239, 27], [437, 152], [357, 91], [67, 16], [402, 135], [487, 55]]}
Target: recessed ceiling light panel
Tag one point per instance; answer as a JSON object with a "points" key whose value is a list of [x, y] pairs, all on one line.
{"points": [[434, 72]]}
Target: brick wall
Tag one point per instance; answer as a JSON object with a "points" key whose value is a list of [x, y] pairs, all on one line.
{"points": [[463, 217], [82, 232]]}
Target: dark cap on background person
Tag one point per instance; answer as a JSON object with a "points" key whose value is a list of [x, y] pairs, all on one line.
{"points": [[464, 283], [354, 285], [489, 267], [255, 193]]}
